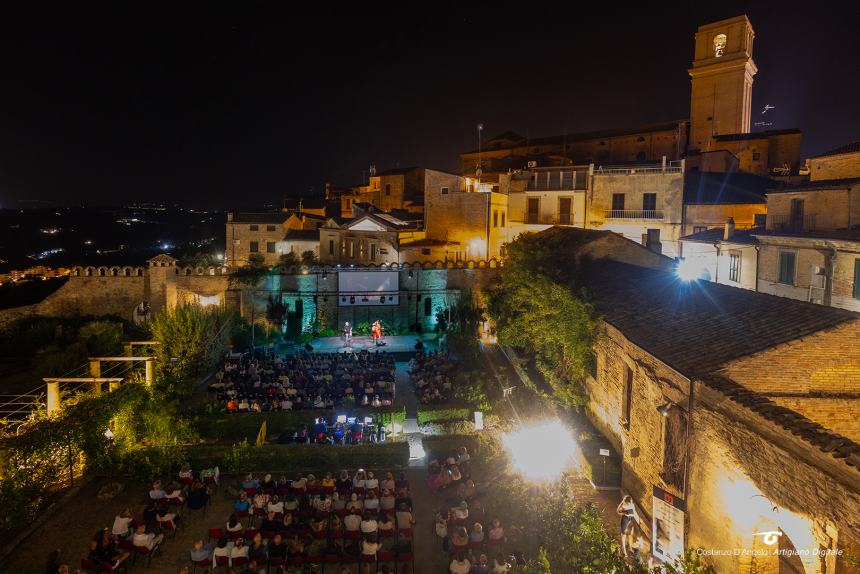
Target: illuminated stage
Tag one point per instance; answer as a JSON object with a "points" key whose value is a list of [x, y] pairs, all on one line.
{"points": [[394, 344]]}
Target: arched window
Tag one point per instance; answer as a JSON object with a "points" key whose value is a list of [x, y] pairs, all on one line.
{"points": [[719, 45]]}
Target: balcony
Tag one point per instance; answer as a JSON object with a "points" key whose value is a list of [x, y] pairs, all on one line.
{"points": [[634, 214], [676, 166], [790, 223], [556, 180]]}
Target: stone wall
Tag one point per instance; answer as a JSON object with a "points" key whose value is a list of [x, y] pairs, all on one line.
{"points": [[839, 414], [715, 215], [97, 295], [746, 474], [823, 209], [839, 166], [463, 217]]}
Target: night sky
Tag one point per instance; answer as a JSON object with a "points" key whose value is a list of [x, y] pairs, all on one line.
{"points": [[233, 104]]}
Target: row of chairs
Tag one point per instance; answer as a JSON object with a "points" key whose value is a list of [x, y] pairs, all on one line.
{"points": [[321, 560]]}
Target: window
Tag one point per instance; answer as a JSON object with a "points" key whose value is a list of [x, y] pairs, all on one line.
{"points": [[699, 228], [649, 202], [734, 266], [617, 202], [270, 228], [374, 183], [373, 251], [796, 215], [425, 251], [331, 246], [254, 227], [756, 156], [444, 191], [351, 249], [270, 247], [719, 45], [428, 307], [857, 278], [503, 219], [495, 219], [254, 246], [787, 263], [627, 405], [387, 189]]}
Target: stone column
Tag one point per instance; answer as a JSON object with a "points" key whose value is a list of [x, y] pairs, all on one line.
{"points": [[53, 397], [149, 372], [96, 372]]}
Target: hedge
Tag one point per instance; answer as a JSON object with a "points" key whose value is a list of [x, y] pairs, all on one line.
{"points": [[236, 426], [441, 445], [299, 457], [445, 413]]}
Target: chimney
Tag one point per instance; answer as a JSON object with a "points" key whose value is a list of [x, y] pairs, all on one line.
{"points": [[300, 205], [730, 229], [372, 170]]}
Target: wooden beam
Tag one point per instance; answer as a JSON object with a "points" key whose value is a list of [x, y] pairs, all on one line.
{"points": [[120, 359], [83, 380]]}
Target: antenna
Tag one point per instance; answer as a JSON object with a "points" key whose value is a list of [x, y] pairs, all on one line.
{"points": [[478, 170]]}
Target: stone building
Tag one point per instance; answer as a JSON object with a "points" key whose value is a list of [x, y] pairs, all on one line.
{"points": [[510, 151], [472, 222], [733, 412], [810, 249], [271, 235], [643, 203], [727, 256], [399, 189], [542, 197], [840, 163]]}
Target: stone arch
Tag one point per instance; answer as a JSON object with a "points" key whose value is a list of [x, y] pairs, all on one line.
{"points": [[450, 264], [188, 271], [126, 271], [102, 271], [77, 272], [140, 272], [493, 263], [114, 271], [482, 264], [210, 271]]}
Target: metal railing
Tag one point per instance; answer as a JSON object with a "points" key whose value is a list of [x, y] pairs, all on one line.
{"points": [[790, 223], [670, 167], [650, 214], [557, 180]]}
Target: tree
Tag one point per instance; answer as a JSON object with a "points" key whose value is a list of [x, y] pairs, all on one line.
{"points": [[251, 273], [191, 340], [102, 338], [287, 260], [534, 310], [309, 258], [276, 311], [202, 260]]}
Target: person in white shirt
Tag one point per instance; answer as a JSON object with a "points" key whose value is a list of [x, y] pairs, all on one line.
{"points": [[352, 522], [499, 565], [122, 524], [369, 525], [239, 550], [461, 512], [157, 493], [371, 482], [223, 548], [371, 502], [354, 503], [141, 538], [460, 565], [275, 505], [369, 547], [360, 479], [387, 500]]}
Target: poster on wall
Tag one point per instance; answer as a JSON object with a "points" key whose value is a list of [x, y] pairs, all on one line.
{"points": [[667, 527]]}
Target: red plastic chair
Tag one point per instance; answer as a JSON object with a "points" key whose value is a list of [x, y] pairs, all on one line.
{"points": [[239, 561], [276, 562], [404, 533], [186, 480], [250, 492], [215, 533], [404, 557], [205, 563], [268, 534], [233, 535], [222, 561], [477, 547], [386, 556], [88, 565], [250, 533], [329, 490], [388, 533], [168, 525]]}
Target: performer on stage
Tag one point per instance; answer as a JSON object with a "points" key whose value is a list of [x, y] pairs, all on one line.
{"points": [[347, 332], [376, 332]]}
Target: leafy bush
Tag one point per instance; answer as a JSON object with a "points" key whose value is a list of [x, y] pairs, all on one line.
{"points": [[102, 338], [431, 414], [296, 457]]}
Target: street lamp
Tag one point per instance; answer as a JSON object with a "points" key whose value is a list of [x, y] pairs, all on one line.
{"points": [[542, 452]]}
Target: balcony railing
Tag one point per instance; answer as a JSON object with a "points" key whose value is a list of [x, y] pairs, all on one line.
{"points": [[556, 180], [543, 219], [670, 167], [651, 214], [790, 223]]}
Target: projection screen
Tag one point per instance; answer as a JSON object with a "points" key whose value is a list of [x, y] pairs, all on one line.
{"points": [[368, 288]]}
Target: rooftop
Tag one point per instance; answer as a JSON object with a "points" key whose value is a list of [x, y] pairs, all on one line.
{"points": [[754, 135], [834, 234], [852, 147], [696, 327], [816, 185], [302, 234], [742, 236], [520, 141], [702, 187], [268, 217]]}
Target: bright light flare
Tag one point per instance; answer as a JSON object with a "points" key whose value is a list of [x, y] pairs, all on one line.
{"points": [[542, 452], [688, 271]]}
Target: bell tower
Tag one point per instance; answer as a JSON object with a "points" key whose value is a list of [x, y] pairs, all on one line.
{"points": [[722, 79]]}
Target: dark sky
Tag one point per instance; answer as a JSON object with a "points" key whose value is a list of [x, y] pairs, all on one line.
{"points": [[228, 104]]}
